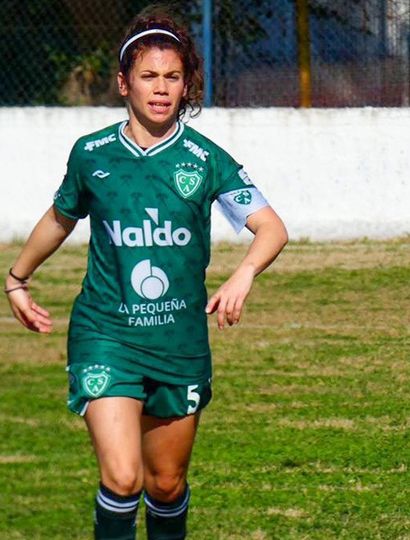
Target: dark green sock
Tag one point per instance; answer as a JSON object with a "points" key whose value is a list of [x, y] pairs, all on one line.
{"points": [[167, 521], [115, 515]]}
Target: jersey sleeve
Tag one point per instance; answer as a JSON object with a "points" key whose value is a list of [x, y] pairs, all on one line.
{"points": [[236, 195], [71, 197]]}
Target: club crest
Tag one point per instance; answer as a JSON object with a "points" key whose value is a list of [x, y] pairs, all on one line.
{"points": [[243, 197], [187, 181], [96, 380]]}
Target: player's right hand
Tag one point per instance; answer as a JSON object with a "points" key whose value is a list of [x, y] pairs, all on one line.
{"points": [[229, 299], [30, 314]]}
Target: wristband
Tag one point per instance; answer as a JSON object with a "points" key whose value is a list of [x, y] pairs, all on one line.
{"points": [[7, 291], [22, 280]]}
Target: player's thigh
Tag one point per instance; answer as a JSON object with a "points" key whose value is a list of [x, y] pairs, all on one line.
{"points": [[114, 424], [167, 445], [169, 424]]}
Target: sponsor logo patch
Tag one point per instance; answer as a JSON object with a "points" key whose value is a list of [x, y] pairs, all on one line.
{"points": [[196, 150], [149, 282], [90, 145], [243, 175], [162, 235], [101, 174]]}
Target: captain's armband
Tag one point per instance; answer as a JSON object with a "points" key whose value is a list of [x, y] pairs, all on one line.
{"points": [[239, 204]]}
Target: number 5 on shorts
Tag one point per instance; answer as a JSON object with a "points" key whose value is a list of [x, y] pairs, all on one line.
{"points": [[193, 397]]}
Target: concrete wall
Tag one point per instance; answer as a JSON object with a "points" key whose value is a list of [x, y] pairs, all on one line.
{"points": [[330, 174]]}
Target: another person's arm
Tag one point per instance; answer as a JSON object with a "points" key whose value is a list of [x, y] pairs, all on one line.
{"points": [[49, 233], [270, 238]]}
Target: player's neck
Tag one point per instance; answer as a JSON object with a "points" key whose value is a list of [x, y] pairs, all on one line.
{"points": [[146, 136]]}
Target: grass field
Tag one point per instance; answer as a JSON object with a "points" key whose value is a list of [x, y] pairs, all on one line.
{"points": [[307, 436]]}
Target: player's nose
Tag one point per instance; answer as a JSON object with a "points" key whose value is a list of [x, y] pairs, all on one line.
{"points": [[161, 86]]}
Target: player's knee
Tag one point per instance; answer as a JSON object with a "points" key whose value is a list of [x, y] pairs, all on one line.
{"points": [[166, 487], [124, 481]]}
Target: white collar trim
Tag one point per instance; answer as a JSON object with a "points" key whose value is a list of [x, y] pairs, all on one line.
{"points": [[135, 149]]}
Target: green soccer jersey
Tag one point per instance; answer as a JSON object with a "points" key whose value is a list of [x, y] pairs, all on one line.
{"points": [[150, 216]]}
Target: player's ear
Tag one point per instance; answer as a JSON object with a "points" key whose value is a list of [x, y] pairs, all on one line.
{"points": [[185, 92], [122, 84]]}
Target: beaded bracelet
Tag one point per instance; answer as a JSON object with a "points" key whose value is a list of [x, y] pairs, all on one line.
{"points": [[13, 275]]}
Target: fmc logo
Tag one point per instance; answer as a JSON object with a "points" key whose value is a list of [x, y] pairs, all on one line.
{"points": [[196, 150], [147, 235], [90, 145]]}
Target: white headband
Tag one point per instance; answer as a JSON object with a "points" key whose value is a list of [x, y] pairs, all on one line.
{"points": [[143, 34]]}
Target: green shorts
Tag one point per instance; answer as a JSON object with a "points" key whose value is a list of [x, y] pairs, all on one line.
{"points": [[88, 381]]}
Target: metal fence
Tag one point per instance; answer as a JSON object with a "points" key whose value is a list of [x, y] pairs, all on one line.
{"points": [[337, 53]]}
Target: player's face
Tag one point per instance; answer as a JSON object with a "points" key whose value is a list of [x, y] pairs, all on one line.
{"points": [[154, 87]]}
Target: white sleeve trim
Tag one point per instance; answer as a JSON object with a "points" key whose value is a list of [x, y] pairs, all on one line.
{"points": [[239, 204]]}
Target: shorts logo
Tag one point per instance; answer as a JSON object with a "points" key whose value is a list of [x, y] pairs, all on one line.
{"points": [[243, 197], [149, 281], [96, 380], [71, 380], [187, 181]]}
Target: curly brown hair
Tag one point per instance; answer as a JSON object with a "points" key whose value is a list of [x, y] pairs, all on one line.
{"points": [[158, 16]]}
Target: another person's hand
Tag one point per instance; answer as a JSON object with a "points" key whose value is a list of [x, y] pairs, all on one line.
{"points": [[30, 314], [229, 299]]}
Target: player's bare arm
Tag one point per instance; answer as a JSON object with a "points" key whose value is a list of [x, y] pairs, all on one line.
{"points": [[49, 233], [270, 238]]}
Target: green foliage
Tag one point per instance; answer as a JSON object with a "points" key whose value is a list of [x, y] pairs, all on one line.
{"points": [[29, 50], [65, 52], [349, 18], [230, 22]]}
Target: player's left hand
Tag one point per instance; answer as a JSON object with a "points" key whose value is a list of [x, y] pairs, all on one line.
{"points": [[229, 299]]}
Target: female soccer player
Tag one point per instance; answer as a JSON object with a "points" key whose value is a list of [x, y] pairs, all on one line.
{"points": [[138, 354]]}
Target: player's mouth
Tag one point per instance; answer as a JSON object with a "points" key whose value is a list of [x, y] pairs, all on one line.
{"points": [[159, 107]]}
